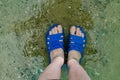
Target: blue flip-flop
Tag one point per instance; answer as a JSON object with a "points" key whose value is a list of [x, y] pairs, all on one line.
{"points": [[77, 43], [53, 41]]}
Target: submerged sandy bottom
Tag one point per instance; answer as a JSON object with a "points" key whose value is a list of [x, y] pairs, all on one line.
{"points": [[23, 25]]}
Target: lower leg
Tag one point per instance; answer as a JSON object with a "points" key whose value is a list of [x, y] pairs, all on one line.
{"points": [[76, 72], [53, 71]]}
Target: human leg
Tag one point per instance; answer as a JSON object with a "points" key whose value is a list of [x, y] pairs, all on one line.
{"points": [[76, 71], [53, 71]]}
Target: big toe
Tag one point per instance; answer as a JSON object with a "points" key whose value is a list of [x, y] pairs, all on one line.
{"points": [[78, 32], [54, 30], [73, 30], [59, 28]]}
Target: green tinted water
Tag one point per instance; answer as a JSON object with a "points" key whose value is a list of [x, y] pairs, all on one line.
{"points": [[23, 25]]}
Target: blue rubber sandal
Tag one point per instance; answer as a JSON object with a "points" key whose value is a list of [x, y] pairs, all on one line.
{"points": [[52, 41], [77, 43]]}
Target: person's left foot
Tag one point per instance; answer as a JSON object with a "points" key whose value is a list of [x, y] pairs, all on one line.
{"points": [[57, 52], [75, 54]]}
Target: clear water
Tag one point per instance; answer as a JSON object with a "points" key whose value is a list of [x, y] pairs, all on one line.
{"points": [[23, 24]]}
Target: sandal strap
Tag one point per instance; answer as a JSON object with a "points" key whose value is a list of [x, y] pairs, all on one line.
{"points": [[53, 41], [77, 43], [77, 39]]}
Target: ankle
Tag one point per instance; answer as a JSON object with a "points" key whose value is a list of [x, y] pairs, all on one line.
{"points": [[57, 53], [74, 55], [59, 60], [73, 62]]}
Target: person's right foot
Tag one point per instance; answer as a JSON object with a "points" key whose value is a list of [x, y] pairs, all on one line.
{"points": [[73, 54], [57, 52]]}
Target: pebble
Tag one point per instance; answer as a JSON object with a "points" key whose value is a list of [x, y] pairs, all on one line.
{"points": [[69, 7]]}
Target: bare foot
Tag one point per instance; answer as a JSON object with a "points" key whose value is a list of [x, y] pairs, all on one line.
{"points": [[73, 54], [57, 53]]}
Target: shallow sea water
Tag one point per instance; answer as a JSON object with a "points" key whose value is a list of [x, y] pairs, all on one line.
{"points": [[23, 25]]}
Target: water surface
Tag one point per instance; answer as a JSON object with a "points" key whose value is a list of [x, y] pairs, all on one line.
{"points": [[23, 25]]}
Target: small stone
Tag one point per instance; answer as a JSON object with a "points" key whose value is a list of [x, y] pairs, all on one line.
{"points": [[41, 70], [69, 7], [103, 34]]}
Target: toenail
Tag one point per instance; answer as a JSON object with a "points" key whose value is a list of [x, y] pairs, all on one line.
{"points": [[59, 26], [73, 26]]}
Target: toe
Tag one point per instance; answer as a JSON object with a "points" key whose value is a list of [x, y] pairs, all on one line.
{"points": [[54, 30], [50, 32], [82, 35], [73, 30], [78, 32], [59, 28]]}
